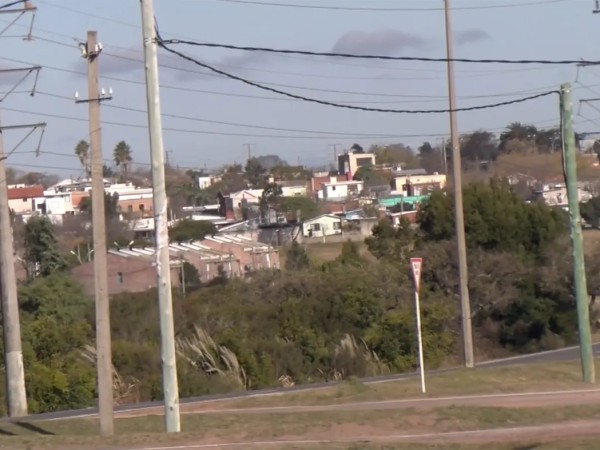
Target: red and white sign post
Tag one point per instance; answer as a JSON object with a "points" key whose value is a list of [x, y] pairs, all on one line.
{"points": [[416, 264]]}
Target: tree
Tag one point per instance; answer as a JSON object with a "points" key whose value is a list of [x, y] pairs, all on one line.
{"points": [[370, 176], [191, 230], [111, 205], [356, 149], [41, 248], [107, 171], [394, 155], [296, 258], [191, 277], [271, 197], [122, 156], [306, 207], [479, 146], [270, 161], [255, 173], [517, 131], [495, 219], [82, 150], [430, 158], [31, 178]]}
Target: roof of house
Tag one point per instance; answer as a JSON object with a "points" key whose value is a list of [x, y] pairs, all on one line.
{"points": [[26, 192], [344, 183], [410, 172], [316, 219]]}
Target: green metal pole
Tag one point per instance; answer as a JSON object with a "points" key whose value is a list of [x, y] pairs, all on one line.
{"points": [[581, 294]]}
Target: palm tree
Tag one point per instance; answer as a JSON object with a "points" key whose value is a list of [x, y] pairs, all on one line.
{"points": [[82, 150], [122, 156]]}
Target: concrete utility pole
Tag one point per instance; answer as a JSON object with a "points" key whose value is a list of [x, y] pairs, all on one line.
{"points": [[91, 51], [459, 219], [13, 354], [167, 328], [16, 396], [581, 294]]}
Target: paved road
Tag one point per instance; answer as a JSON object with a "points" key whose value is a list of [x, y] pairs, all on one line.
{"points": [[565, 354]]}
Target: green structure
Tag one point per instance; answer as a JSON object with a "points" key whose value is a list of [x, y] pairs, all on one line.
{"points": [[411, 201]]}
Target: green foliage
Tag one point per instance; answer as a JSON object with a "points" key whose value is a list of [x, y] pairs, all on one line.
{"points": [[590, 211], [350, 256], [55, 329], [82, 151], [255, 173], [122, 156], [349, 317], [396, 154], [371, 176], [271, 197], [307, 207], [391, 243], [111, 203], [296, 258], [41, 248], [191, 277], [56, 296], [495, 219], [191, 230]]}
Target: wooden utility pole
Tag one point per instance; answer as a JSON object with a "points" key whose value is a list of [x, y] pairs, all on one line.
{"points": [[91, 51], [581, 293], [465, 302], [157, 153]]}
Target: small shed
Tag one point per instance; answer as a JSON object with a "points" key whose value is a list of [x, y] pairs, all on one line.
{"points": [[324, 225]]}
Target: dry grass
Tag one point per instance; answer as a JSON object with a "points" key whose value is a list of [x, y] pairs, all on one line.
{"points": [[215, 427], [240, 427], [529, 378]]}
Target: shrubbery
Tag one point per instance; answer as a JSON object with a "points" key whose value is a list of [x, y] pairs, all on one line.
{"points": [[314, 322]]}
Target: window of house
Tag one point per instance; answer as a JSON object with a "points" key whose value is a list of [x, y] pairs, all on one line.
{"points": [[316, 227], [24, 200], [141, 207], [120, 277], [130, 208], [337, 225]]}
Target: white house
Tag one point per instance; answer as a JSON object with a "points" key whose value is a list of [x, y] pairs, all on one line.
{"points": [[294, 191], [340, 190], [419, 184], [558, 196], [325, 225], [22, 199]]}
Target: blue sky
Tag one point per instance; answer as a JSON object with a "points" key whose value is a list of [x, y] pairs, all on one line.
{"points": [[553, 30]]}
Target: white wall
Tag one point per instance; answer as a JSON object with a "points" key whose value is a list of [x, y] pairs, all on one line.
{"points": [[339, 191], [20, 205], [322, 226]]}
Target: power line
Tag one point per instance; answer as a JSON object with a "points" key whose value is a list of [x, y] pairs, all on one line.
{"points": [[375, 9], [8, 5], [470, 73], [422, 98], [217, 122], [339, 105], [379, 57]]}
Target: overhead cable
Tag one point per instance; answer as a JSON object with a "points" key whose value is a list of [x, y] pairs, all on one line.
{"points": [[369, 8], [162, 43], [380, 57]]}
